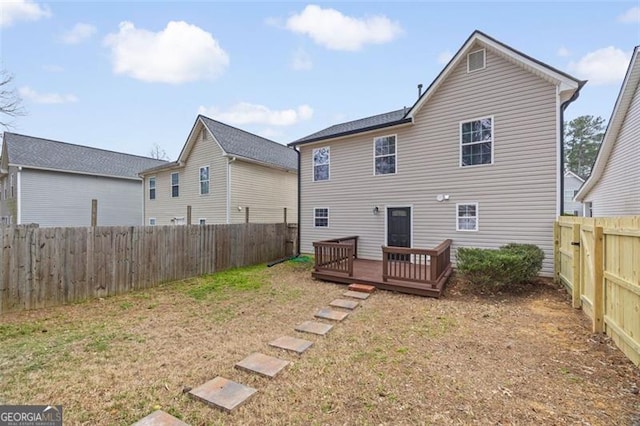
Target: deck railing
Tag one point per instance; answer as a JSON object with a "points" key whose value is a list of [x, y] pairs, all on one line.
{"points": [[336, 255], [428, 266]]}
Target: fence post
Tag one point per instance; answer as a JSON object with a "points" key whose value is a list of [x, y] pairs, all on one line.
{"points": [[575, 266], [188, 215], [285, 215], [598, 279], [246, 214], [94, 212], [556, 251]]}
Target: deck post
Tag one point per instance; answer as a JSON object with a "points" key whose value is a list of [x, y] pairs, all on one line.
{"points": [[385, 264]]}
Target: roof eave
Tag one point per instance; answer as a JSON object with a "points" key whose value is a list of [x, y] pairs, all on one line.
{"points": [[262, 163], [169, 166], [352, 132], [75, 172]]}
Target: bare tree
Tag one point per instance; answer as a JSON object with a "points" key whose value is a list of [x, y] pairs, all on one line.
{"points": [[158, 153], [10, 102]]}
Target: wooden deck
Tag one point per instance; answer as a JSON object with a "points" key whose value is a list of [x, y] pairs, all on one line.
{"points": [[370, 272]]}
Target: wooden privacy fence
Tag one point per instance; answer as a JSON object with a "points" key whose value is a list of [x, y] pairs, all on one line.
{"points": [[598, 261], [41, 267]]}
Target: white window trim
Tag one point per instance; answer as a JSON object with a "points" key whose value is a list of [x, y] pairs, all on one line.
{"points": [[154, 221], [493, 141], [172, 185], [395, 136], [328, 217], [477, 217], [484, 60], [202, 219], [313, 168], [208, 180], [155, 188]]}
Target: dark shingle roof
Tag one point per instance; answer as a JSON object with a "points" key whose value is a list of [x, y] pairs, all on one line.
{"points": [[41, 153], [369, 123], [244, 144]]}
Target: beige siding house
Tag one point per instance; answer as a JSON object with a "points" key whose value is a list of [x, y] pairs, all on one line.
{"points": [[613, 188], [53, 183], [476, 159], [222, 171]]}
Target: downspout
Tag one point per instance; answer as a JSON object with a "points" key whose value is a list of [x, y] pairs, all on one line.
{"points": [[564, 106], [229, 190], [18, 201], [299, 201]]}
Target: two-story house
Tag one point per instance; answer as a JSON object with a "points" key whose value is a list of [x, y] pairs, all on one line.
{"points": [[225, 175], [476, 160], [53, 183]]}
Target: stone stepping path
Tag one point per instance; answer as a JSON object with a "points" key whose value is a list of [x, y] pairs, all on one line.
{"points": [[331, 314], [314, 327], [262, 364], [344, 303], [356, 294], [291, 344], [223, 394], [159, 418]]}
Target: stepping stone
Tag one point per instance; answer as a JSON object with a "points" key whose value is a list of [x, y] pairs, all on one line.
{"points": [[223, 393], [264, 365], [314, 327], [291, 344], [356, 294], [159, 418], [364, 288], [330, 314], [344, 303]]}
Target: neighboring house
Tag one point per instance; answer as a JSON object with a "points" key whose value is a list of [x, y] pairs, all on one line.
{"points": [[572, 183], [613, 188], [221, 171], [476, 159], [52, 183]]}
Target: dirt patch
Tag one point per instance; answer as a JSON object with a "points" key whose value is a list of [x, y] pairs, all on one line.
{"points": [[524, 358]]}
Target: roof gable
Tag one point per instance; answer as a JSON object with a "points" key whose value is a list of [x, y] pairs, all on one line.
{"points": [[625, 97], [47, 154]]}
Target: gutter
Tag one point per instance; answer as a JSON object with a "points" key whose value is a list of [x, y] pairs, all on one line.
{"points": [[564, 106], [299, 202], [351, 132]]}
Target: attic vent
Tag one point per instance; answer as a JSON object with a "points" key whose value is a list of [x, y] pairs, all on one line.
{"points": [[204, 135], [476, 60]]}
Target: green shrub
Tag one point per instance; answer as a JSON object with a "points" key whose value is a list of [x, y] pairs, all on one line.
{"points": [[509, 265]]}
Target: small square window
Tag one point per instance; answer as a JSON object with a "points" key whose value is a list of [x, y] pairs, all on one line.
{"points": [[467, 217], [321, 218], [202, 221], [152, 221]]}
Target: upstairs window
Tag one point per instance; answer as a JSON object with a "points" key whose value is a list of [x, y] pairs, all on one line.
{"points": [[384, 155], [476, 60], [175, 184], [204, 180], [476, 142], [152, 188], [321, 159], [467, 217], [321, 218]]}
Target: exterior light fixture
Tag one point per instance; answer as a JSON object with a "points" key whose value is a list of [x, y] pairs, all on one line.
{"points": [[376, 210]]}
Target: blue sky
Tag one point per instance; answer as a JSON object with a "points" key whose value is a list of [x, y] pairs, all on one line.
{"points": [[128, 75]]}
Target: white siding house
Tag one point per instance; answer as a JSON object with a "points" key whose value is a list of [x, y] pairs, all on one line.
{"points": [[572, 183], [53, 183], [222, 171], [476, 159], [613, 188]]}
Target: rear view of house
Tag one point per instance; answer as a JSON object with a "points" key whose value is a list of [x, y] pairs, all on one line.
{"points": [[613, 188], [53, 183], [476, 160], [224, 175]]}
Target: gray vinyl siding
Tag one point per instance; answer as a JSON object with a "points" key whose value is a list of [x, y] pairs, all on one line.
{"points": [[516, 195], [211, 207], [8, 203], [617, 193], [571, 185], [64, 199], [265, 190]]}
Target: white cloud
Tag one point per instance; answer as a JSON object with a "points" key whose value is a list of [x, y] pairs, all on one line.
{"points": [[28, 93], [247, 113], [631, 16], [603, 66], [179, 53], [301, 61], [79, 33], [333, 30], [445, 57], [21, 10], [563, 52], [53, 68], [270, 133]]}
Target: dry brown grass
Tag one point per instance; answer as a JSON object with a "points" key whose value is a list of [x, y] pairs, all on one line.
{"points": [[525, 359]]}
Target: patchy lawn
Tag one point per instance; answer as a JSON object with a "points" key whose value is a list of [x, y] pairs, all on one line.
{"points": [[527, 358]]}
